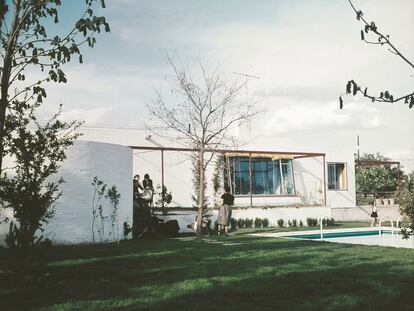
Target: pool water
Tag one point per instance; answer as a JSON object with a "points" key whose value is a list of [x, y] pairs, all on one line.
{"points": [[364, 236]]}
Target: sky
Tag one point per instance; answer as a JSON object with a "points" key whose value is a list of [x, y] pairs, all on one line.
{"points": [[304, 52]]}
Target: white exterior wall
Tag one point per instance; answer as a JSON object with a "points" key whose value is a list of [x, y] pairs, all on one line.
{"points": [[73, 214]]}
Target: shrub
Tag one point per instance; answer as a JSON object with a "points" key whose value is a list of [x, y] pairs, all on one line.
{"points": [[258, 223], [265, 222], [248, 223], [280, 223], [294, 223], [300, 223], [233, 223], [240, 223], [311, 222], [289, 223], [330, 222]]}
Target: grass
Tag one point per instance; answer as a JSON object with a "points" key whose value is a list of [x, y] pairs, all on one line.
{"points": [[234, 273]]}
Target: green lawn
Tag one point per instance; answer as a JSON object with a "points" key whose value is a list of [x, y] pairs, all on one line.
{"points": [[233, 273]]}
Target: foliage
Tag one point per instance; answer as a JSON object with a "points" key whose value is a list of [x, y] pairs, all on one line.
{"points": [[311, 222], [406, 201], [196, 166], [99, 217], [300, 223], [219, 180], [258, 222], [127, 229], [294, 223], [233, 223], [163, 197], [29, 188], [113, 195], [384, 40], [240, 223], [328, 221], [28, 45], [280, 223], [248, 223], [380, 178], [265, 222], [97, 207]]}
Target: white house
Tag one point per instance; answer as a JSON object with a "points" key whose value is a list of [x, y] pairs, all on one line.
{"points": [[267, 179]]}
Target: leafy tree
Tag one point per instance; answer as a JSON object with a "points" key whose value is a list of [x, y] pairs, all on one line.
{"points": [[406, 201], [27, 44], [376, 178], [378, 38], [38, 151], [202, 119]]}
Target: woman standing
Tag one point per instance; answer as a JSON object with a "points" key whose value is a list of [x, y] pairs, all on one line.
{"points": [[224, 215], [374, 213]]}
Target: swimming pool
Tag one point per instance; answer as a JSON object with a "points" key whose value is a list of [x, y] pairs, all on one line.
{"points": [[364, 236]]}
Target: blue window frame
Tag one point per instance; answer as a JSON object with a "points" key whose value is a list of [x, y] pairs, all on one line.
{"points": [[269, 177]]}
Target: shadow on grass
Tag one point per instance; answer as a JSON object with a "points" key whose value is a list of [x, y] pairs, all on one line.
{"points": [[261, 273]]}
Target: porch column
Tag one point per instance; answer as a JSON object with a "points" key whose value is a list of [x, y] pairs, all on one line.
{"points": [[250, 180], [324, 181], [162, 179]]}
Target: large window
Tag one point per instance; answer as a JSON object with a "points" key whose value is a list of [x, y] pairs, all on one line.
{"points": [[269, 177], [337, 176]]}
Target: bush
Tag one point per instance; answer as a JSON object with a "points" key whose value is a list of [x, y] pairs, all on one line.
{"points": [[240, 223], [289, 223], [294, 223], [258, 223], [280, 223], [311, 222], [300, 223], [265, 222], [233, 223], [331, 222], [248, 223]]}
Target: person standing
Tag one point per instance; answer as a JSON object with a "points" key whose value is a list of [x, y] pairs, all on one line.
{"points": [[374, 213], [224, 216], [137, 187], [147, 183]]}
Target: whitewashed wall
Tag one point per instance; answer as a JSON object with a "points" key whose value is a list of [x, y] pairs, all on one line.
{"points": [[73, 218]]}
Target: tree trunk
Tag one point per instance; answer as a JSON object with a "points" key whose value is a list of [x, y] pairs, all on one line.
{"points": [[201, 193], [5, 76]]}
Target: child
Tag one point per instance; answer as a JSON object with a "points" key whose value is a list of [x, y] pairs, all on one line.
{"points": [[374, 214]]}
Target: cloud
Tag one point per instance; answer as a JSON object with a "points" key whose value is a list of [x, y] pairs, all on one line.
{"points": [[93, 116], [405, 156], [313, 116]]}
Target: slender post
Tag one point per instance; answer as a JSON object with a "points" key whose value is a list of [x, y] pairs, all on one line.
{"points": [[162, 180], [250, 180], [398, 177], [324, 181]]}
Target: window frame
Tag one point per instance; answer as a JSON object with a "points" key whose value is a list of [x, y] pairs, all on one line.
{"points": [[344, 177], [282, 192]]}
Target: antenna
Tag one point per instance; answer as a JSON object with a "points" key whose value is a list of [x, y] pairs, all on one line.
{"points": [[247, 76]]}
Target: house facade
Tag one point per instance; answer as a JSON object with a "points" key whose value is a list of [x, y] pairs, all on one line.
{"points": [[267, 179]]}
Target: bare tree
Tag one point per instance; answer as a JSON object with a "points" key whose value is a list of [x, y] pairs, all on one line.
{"points": [[352, 87], [203, 117]]}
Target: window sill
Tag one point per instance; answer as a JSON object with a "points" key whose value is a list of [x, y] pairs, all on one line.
{"points": [[267, 196]]}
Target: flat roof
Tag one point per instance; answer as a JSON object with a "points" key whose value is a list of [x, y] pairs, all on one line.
{"points": [[295, 154]]}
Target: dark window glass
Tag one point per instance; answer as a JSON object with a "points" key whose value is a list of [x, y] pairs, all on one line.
{"points": [[268, 176]]}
